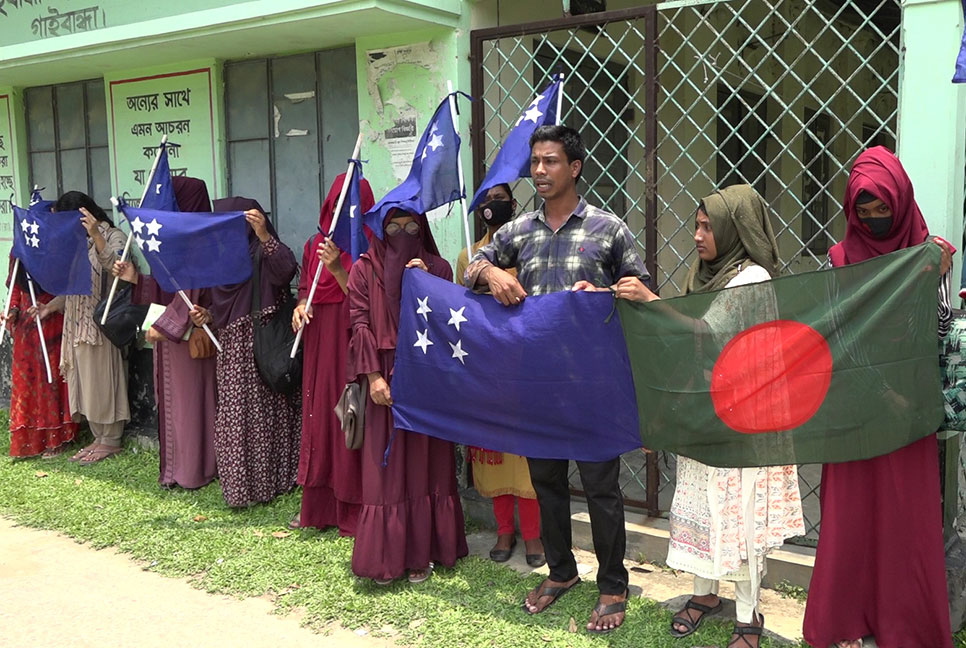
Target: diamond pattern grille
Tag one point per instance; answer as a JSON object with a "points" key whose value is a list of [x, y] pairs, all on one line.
{"points": [[781, 94]]}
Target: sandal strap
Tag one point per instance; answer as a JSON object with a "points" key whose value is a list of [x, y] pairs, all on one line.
{"points": [[700, 607], [614, 608]]}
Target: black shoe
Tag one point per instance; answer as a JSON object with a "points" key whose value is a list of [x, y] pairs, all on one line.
{"points": [[503, 555], [536, 560]]}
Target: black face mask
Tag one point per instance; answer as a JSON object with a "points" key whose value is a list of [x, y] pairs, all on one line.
{"points": [[496, 212], [880, 226]]}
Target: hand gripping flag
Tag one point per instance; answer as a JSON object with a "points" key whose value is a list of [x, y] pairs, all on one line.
{"points": [[52, 246], [513, 160], [349, 233], [159, 193], [818, 367], [548, 378], [191, 250], [433, 178]]}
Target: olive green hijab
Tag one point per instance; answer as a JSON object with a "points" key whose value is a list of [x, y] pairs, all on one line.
{"points": [[742, 233]]}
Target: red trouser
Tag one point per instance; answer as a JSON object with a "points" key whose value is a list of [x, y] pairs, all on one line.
{"points": [[529, 516]]}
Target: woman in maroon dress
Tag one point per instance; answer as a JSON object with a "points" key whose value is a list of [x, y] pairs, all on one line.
{"points": [[880, 568], [329, 474], [184, 387], [411, 515]]}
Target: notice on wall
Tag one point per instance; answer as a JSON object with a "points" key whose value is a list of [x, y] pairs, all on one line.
{"points": [[179, 105], [392, 75], [8, 188]]}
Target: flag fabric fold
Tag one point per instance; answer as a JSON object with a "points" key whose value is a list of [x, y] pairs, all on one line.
{"points": [[349, 233], [191, 250], [160, 190], [433, 178], [52, 246], [548, 379], [512, 162], [819, 367]]}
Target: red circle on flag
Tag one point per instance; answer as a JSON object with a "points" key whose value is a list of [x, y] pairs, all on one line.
{"points": [[771, 377]]}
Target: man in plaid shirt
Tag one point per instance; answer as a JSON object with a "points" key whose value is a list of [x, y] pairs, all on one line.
{"points": [[566, 245]]}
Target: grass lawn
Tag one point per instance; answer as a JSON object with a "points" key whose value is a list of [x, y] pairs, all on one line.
{"points": [[250, 552]]}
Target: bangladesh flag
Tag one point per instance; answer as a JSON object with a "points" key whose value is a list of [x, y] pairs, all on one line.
{"points": [[819, 367]]}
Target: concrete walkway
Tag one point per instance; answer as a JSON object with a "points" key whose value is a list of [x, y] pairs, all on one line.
{"points": [[56, 592]]}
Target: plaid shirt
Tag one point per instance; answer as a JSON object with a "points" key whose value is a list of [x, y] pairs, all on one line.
{"points": [[592, 244]]}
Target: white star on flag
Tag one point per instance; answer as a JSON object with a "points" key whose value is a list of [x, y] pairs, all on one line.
{"points": [[34, 241], [423, 341], [25, 226], [137, 225], [34, 227], [435, 142], [533, 114], [458, 351], [139, 241], [456, 317], [153, 227], [424, 307], [531, 107], [352, 211], [154, 245]]}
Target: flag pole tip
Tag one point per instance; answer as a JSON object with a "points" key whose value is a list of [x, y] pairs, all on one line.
{"points": [[115, 201]]}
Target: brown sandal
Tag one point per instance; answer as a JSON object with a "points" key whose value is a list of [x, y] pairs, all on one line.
{"points": [[83, 452], [100, 454]]}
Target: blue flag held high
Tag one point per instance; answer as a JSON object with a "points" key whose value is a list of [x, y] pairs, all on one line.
{"points": [[37, 202], [191, 250], [52, 246], [433, 178], [513, 160], [160, 190], [349, 233], [549, 378]]}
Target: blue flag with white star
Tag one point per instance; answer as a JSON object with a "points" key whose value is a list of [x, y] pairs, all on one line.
{"points": [[191, 250], [160, 193], [549, 378], [349, 234], [37, 202], [52, 246], [433, 178], [513, 160]]}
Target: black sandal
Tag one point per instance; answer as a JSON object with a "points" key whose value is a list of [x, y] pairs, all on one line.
{"points": [[606, 610], [741, 631], [692, 626], [553, 592]]}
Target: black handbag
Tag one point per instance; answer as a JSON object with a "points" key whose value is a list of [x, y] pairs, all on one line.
{"points": [[125, 319], [274, 340]]}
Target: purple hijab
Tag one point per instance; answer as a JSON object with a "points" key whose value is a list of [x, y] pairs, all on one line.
{"points": [[229, 303]]}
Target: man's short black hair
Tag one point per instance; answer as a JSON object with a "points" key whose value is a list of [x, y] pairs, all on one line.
{"points": [[573, 144]]}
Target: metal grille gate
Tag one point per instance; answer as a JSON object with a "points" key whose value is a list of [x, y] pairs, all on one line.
{"points": [[678, 98]]}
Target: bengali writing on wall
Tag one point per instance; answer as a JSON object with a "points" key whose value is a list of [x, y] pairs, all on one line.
{"points": [[178, 106], [8, 187], [48, 21]]}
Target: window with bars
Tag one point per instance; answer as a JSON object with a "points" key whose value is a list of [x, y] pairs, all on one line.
{"points": [[742, 142], [815, 216], [67, 139]]}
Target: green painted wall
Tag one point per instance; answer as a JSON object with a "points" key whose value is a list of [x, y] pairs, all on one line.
{"points": [[401, 92], [13, 171]]}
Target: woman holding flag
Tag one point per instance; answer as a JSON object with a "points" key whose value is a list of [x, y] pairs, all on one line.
{"points": [[725, 520], [40, 421], [256, 430], [411, 515], [880, 562], [330, 474], [91, 364]]}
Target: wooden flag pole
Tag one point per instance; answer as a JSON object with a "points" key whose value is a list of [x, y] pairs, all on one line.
{"points": [[6, 307], [335, 221], [459, 171], [181, 294], [40, 331], [130, 236]]}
